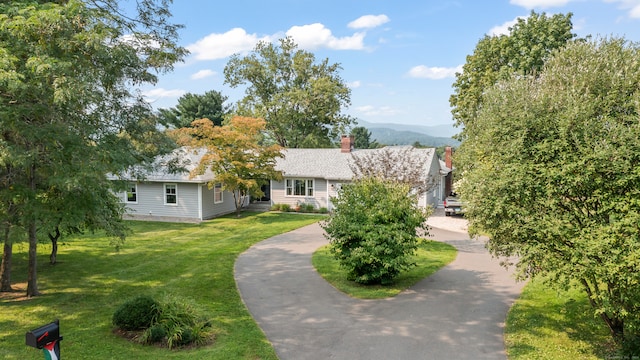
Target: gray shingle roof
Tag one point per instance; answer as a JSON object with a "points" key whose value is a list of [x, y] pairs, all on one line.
{"points": [[162, 168], [331, 164], [315, 163]]}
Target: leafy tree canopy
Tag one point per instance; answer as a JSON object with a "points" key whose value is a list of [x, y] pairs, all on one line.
{"points": [[235, 154], [551, 175], [300, 99], [68, 114], [362, 138], [523, 52], [191, 107]]}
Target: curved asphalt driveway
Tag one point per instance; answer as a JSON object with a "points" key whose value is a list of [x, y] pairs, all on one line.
{"points": [[457, 313]]}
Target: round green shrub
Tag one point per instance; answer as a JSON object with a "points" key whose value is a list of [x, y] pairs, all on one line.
{"points": [[136, 314], [156, 333], [373, 229], [187, 337]]}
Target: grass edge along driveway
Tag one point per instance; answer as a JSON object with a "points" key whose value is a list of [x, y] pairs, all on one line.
{"points": [[91, 280]]}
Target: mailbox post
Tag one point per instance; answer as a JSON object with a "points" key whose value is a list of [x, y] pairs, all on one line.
{"points": [[47, 338]]}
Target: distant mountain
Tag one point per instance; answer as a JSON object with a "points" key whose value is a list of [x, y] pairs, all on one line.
{"points": [[393, 137], [445, 131], [398, 134]]}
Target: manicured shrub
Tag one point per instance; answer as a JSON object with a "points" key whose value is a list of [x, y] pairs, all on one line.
{"points": [[136, 314], [307, 208], [281, 207], [373, 229], [155, 334]]}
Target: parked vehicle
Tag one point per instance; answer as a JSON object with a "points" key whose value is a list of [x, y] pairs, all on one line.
{"points": [[452, 205]]}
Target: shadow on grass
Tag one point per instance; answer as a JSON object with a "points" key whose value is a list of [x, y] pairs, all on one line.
{"points": [[544, 319]]}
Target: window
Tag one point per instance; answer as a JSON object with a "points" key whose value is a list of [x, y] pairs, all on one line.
{"points": [[170, 194], [299, 187], [217, 193], [132, 193]]}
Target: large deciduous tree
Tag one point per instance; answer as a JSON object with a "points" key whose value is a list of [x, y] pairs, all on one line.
{"points": [[300, 99], [523, 52], [235, 154], [192, 107], [552, 175], [68, 114]]}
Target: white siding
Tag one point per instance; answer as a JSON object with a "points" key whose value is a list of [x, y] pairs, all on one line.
{"points": [[210, 209], [151, 202], [433, 196], [324, 190], [333, 188], [319, 198]]}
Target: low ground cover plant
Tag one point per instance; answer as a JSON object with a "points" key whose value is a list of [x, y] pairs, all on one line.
{"points": [[302, 208], [171, 322]]}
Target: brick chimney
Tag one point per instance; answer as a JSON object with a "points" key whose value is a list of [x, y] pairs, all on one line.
{"points": [[448, 162], [448, 152], [347, 143]]}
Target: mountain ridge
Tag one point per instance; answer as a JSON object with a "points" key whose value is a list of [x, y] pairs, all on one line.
{"points": [[405, 134]]}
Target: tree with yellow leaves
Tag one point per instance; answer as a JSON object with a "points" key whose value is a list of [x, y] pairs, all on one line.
{"points": [[235, 154]]}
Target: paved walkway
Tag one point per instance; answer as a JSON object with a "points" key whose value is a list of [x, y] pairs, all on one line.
{"points": [[457, 313]]}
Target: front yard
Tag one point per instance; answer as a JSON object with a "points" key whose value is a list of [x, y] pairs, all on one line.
{"points": [[194, 261]]}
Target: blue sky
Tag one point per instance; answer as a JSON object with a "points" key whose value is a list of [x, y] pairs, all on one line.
{"points": [[399, 57]]}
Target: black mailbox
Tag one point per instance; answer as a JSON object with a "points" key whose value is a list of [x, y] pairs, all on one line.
{"points": [[44, 335]]}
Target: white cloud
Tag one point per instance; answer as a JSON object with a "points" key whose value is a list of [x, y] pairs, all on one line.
{"points": [[504, 28], [530, 4], [316, 36], [370, 110], [219, 46], [309, 37], [354, 84], [157, 93], [434, 73], [633, 6], [203, 74], [138, 43], [368, 21]]}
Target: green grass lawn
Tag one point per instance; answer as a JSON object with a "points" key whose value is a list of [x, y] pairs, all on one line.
{"points": [[430, 257], [555, 325], [91, 280]]}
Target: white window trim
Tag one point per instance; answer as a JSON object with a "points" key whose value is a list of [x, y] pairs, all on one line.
{"points": [[164, 189], [306, 188], [215, 186], [126, 193]]}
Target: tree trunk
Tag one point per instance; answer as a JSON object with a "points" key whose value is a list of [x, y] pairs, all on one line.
{"points": [[32, 280], [236, 200], [5, 266], [54, 246], [615, 325]]}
